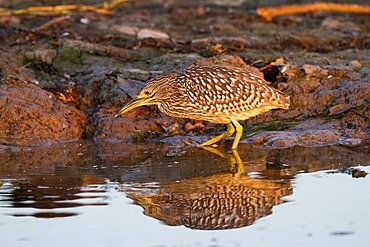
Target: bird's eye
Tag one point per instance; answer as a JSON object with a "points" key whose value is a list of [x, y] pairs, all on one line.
{"points": [[147, 92]]}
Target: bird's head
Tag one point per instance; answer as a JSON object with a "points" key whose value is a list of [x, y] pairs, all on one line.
{"points": [[154, 93]]}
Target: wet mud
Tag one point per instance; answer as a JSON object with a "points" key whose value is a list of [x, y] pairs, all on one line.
{"points": [[66, 81]]}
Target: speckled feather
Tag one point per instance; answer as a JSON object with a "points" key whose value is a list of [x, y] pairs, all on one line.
{"points": [[218, 94], [211, 93]]}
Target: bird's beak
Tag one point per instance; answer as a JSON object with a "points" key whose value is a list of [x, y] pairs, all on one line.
{"points": [[130, 105]]}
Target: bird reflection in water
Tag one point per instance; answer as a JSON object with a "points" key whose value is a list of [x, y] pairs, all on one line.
{"points": [[221, 201]]}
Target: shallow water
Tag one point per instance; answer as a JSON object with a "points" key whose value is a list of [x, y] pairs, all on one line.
{"points": [[88, 194]]}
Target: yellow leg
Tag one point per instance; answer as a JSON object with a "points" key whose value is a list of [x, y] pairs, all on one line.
{"points": [[239, 162], [238, 135], [232, 159], [230, 130]]}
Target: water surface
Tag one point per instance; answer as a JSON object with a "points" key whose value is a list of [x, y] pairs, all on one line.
{"points": [[88, 194]]}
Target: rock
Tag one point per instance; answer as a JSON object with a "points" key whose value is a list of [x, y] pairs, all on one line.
{"points": [[131, 87], [340, 108], [154, 34], [235, 3], [32, 116], [74, 54], [337, 25], [138, 74], [189, 127], [228, 60], [308, 85], [286, 139], [291, 72], [330, 23], [309, 133], [124, 29], [349, 141], [130, 127], [355, 63], [44, 55], [10, 20], [310, 69]]}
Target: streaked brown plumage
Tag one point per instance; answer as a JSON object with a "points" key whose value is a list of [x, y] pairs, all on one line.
{"points": [[218, 94]]}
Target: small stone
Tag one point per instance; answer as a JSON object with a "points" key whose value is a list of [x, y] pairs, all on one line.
{"points": [[173, 131], [176, 153], [355, 63], [124, 29], [84, 21], [9, 20], [43, 55], [357, 173], [331, 24], [349, 141], [189, 127], [310, 69], [290, 71], [154, 34], [139, 74], [308, 85], [340, 108], [199, 125], [282, 86]]}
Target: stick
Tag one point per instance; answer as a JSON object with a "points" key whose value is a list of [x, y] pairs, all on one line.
{"points": [[51, 23], [270, 12], [103, 8]]}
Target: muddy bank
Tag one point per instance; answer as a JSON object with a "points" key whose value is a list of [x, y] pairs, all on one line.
{"points": [[30, 115], [67, 81]]}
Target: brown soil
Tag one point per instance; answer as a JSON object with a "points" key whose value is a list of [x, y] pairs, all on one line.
{"points": [[67, 81]]}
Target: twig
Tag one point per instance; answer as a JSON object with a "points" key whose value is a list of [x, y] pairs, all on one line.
{"points": [[51, 23], [269, 13], [103, 8]]}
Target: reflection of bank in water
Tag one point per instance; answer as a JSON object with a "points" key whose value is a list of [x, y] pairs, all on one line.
{"points": [[53, 196], [221, 201]]}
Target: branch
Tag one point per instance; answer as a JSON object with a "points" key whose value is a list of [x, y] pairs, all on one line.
{"points": [[269, 13], [103, 8]]}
